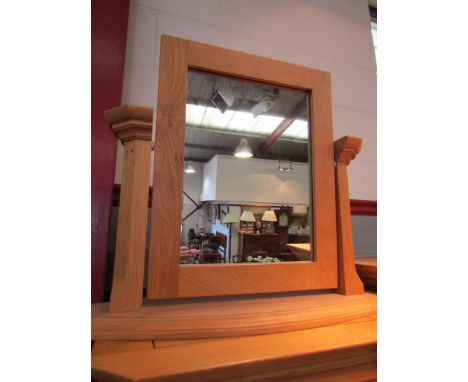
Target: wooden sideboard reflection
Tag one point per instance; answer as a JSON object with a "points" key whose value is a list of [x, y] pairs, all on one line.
{"points": [[264, 244]]}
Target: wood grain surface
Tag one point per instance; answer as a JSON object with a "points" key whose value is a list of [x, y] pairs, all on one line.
{"points": [[247, 278], [128, 112], [133, 126], [229, 316], [166, 279], [112, 347], [166, 217], [341, 352], [349, 282]]}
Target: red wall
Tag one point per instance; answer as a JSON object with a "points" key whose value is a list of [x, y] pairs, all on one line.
{"points": [[109, 20]]}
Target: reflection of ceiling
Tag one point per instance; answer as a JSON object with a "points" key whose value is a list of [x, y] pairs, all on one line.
{"points": [[210, 132], [201, 86], [203, 144], [242, 121]]}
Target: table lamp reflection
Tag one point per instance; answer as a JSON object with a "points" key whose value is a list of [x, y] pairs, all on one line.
{"points": [[248, 217], [269, 217], [229, 219]]}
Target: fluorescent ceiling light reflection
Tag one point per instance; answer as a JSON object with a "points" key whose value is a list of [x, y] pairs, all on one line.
{"points": [[266, 124], [298, 129], [194, 114], [214, 118], [242, 121], [203, 116]]}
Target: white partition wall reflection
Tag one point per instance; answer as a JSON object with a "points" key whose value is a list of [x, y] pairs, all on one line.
{"points": [[233, 180]]}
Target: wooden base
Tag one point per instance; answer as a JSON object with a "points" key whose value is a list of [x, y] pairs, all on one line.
{"points": [[342, 352], [229, 316]]}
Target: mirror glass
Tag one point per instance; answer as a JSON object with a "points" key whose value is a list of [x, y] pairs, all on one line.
{"points": [[246, 190]]}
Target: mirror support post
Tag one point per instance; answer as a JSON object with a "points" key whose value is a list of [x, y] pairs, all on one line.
{"points": [[133, 126], [349, 282]]}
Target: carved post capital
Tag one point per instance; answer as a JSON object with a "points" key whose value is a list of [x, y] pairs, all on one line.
{"points": [[130, 122], [347, 148]]}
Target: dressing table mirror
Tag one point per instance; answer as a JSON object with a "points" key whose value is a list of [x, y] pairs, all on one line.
{"points": [[167, 278], [304, 314], [324, 263]]}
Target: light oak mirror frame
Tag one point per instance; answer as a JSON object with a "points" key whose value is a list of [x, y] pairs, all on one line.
{"points": [[166, 277]]}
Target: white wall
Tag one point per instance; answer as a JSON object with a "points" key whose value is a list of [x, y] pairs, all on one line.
{"points": [[210, 171], [332, 35]]}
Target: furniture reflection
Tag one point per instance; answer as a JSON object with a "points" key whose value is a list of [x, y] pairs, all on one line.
{"points": [[263, 244], [207, 248], [221, 239], [301, 250], [209, 256], [188, 255]]}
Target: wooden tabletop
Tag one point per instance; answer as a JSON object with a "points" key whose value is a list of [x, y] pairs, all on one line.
{"points": [[343, 352], [338, 345], [299, 248], [229, 316]]}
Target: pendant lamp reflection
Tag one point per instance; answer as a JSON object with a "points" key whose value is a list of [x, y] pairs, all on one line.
{"points": [[190, 169], [243, 150]]}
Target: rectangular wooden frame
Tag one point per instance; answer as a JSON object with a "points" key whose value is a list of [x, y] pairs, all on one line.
{"points": [[166, 277]]}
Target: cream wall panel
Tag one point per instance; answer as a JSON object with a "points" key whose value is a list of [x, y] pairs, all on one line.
{"points": [[333, 28], [353, 122], [348, 37], [139, 84], [362, 179], [141, 36], [353, 86], [187, 28], [200, 10], [265, 19]]}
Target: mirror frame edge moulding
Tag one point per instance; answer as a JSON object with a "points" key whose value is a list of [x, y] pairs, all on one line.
{"points": [[166, 277]]}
